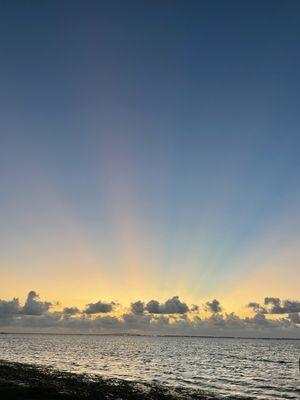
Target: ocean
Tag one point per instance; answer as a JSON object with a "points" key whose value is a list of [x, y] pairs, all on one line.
{"points": [[256, 368]]}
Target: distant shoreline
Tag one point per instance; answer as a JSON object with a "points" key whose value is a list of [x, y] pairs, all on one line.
{"points": [[147, 335]]}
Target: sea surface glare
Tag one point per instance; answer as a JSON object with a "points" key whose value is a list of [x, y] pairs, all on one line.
{"points": [[262, 369]]}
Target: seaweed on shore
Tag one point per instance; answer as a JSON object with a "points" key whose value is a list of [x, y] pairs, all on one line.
{"points": [[27, 382]]}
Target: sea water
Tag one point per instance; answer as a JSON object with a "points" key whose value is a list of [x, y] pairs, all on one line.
{"points": [[257, 368]]}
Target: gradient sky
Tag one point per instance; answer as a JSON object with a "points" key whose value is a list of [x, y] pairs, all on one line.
{"points": [[150, 149]]}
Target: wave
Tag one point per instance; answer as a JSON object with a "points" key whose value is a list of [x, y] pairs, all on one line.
{"points": [[30, 381], [266, 360]]}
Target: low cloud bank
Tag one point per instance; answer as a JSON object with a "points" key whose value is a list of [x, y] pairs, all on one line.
{"points": [[273, 318]]}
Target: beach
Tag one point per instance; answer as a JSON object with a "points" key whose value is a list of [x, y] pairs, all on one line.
{"points": [[28, 382]]}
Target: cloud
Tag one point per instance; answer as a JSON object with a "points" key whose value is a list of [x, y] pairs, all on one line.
{"points": [[99, 307], [71, 311], [107, 322], [136, 321], [154, 307], [172, 317], [138, 307], [48, 320], [291, 306], [273, 305], [171, 306], [9, 308], [82, 323], [294, 317], [274, 302], [33, 306], [257, 307], [214, 306]]}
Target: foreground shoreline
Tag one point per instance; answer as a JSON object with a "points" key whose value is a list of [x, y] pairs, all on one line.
{"points": [[28, 382]]}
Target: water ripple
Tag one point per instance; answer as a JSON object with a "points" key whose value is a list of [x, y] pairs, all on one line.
{"points": [[262, 369]]}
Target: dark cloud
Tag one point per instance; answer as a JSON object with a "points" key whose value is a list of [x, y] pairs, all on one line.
{"points": [[154, 307], [138, 307], [213, 306], [8, 308], [171, 306], [275, 301], [294, 317], [291, 306], [33, 306], [99, 307], [273, 305], [71, 311], [172, 317], [256, 307]]}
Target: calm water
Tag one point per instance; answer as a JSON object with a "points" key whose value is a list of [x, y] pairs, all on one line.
{"points": [[262, 369]]}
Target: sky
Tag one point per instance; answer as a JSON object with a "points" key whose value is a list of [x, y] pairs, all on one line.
{"points": [[150, 149]]}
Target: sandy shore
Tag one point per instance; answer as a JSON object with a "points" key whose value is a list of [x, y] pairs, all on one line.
{"points": [[28, 382]]}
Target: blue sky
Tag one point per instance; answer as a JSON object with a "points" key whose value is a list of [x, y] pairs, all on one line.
{"points": [[154, 140]]}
